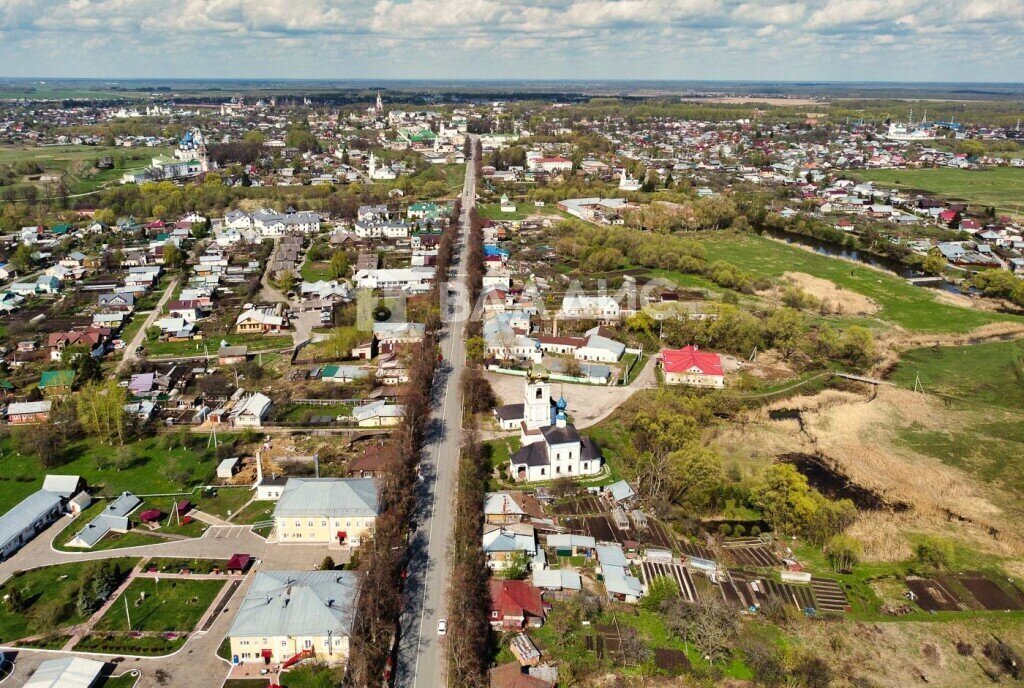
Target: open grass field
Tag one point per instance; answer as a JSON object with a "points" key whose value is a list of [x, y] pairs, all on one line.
{"points": [[170, 605], [315, 271], [913, 308], [1002, 187], [51, 594], [199, 348], [79, 162], [984, 384], [152, 469], [990, 374], [492, 211]]}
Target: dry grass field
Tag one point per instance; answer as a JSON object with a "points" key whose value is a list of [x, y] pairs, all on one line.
{"points": [[834, 298], [860, 434]]}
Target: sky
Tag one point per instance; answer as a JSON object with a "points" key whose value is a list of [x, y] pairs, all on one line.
{"points": [[786, 40]]}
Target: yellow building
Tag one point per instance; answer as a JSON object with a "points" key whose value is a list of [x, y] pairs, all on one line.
{"points": [[319, 510], [288, 615]]}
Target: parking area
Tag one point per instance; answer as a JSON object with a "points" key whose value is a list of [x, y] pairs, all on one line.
{"points": [[227, 532]]}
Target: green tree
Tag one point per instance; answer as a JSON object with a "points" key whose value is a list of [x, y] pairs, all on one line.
{"points": [[517, 565], [339, 265], [785, 498], [286, 281], [785, 329], [254, 138], [475, 349], [22, 258], [843, 553], [174, 257], [301, 138], [660, 590], [934, 263], [99, 407], [86, 366], [15, 601], [342, 340]]}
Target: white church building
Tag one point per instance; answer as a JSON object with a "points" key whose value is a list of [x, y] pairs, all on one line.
{"points": [[551, 446]]}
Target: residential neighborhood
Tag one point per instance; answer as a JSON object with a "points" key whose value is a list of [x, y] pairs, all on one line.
{"points": [[514, 385]]}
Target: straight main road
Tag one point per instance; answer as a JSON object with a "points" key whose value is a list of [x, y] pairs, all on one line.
{"points": [[420, 654]]}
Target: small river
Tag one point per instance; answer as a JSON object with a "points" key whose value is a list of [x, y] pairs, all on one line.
{"points": [[827, 248]]}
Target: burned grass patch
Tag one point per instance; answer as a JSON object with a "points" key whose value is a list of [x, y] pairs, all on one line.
{"points": [[825, 478]]}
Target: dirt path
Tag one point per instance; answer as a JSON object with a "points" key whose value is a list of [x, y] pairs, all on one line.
{"points": [[132, 346], [269, 293]]}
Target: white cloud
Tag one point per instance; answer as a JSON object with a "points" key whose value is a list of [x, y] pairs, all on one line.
{"points": [[794, 39]]}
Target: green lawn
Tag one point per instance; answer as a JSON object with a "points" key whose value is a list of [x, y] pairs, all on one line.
{"points": [[991, 450], [314, 272], [212, 343], [492, 211], [1002, 187], [301, 413], [79, 161], [991, 374], [914, 308], [311, 677], [255, 512], [985, 383], [152, 468], [124, 644], [454, 176], [172, 565], [170, 605], [125, 680], [50, 593], [223, 501]]}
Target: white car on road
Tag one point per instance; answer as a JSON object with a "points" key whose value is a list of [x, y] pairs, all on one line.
{"points": [[442, 627]]}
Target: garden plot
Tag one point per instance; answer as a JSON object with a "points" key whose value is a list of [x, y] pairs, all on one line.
{"points": [[750, 552], [680, 574], [829, 595], [746, 591], [581, 507], [659, 535], [603, 529], [692, 549], [935, 596], [990, 595], [600, 528]]}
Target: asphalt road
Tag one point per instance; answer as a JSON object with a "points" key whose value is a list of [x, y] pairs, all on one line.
{"points": [[420, 653]]}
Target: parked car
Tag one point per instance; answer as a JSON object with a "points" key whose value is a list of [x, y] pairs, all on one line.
{"points": [[442, 627]]}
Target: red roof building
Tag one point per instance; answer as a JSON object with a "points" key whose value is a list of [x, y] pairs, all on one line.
{"points": [[238, 563], [516, 605], [690, 366], [511, 676]]}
